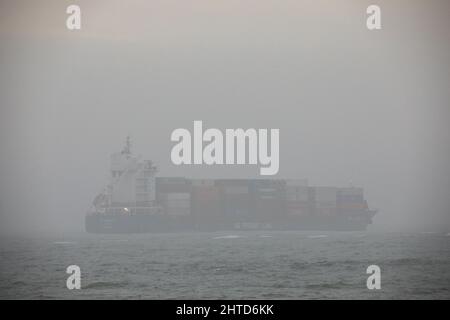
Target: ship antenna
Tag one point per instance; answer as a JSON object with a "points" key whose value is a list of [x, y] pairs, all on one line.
{"points": [[127, 148]]}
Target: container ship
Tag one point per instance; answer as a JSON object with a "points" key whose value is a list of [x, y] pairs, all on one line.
{"points": [[137, 201]]}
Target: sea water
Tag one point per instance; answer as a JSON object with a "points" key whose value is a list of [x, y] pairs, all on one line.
{"points": [[228, 265]]}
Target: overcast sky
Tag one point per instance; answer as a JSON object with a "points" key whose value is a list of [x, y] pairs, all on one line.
{"points": [[352, 105]]}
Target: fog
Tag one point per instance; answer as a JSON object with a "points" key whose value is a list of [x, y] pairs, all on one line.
{"points": [[370, 108]]}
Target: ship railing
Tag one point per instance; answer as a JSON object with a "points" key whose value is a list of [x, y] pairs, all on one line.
{"points": [[129, 210]]}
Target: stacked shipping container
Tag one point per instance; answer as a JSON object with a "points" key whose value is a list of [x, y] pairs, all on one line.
{"points": [[325, 201], [174, 195], [350, 201], [269, 200], [299, 198], [241, 203], [206, 206], [236, 200]]}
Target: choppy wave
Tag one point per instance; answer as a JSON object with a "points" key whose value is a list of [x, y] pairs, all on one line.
{"points": [[106, 285], [64, 242], [318, 236], [230, 236], [193, 266]]}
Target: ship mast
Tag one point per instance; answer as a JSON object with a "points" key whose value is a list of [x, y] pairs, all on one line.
{"points": [[127, 148]]}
